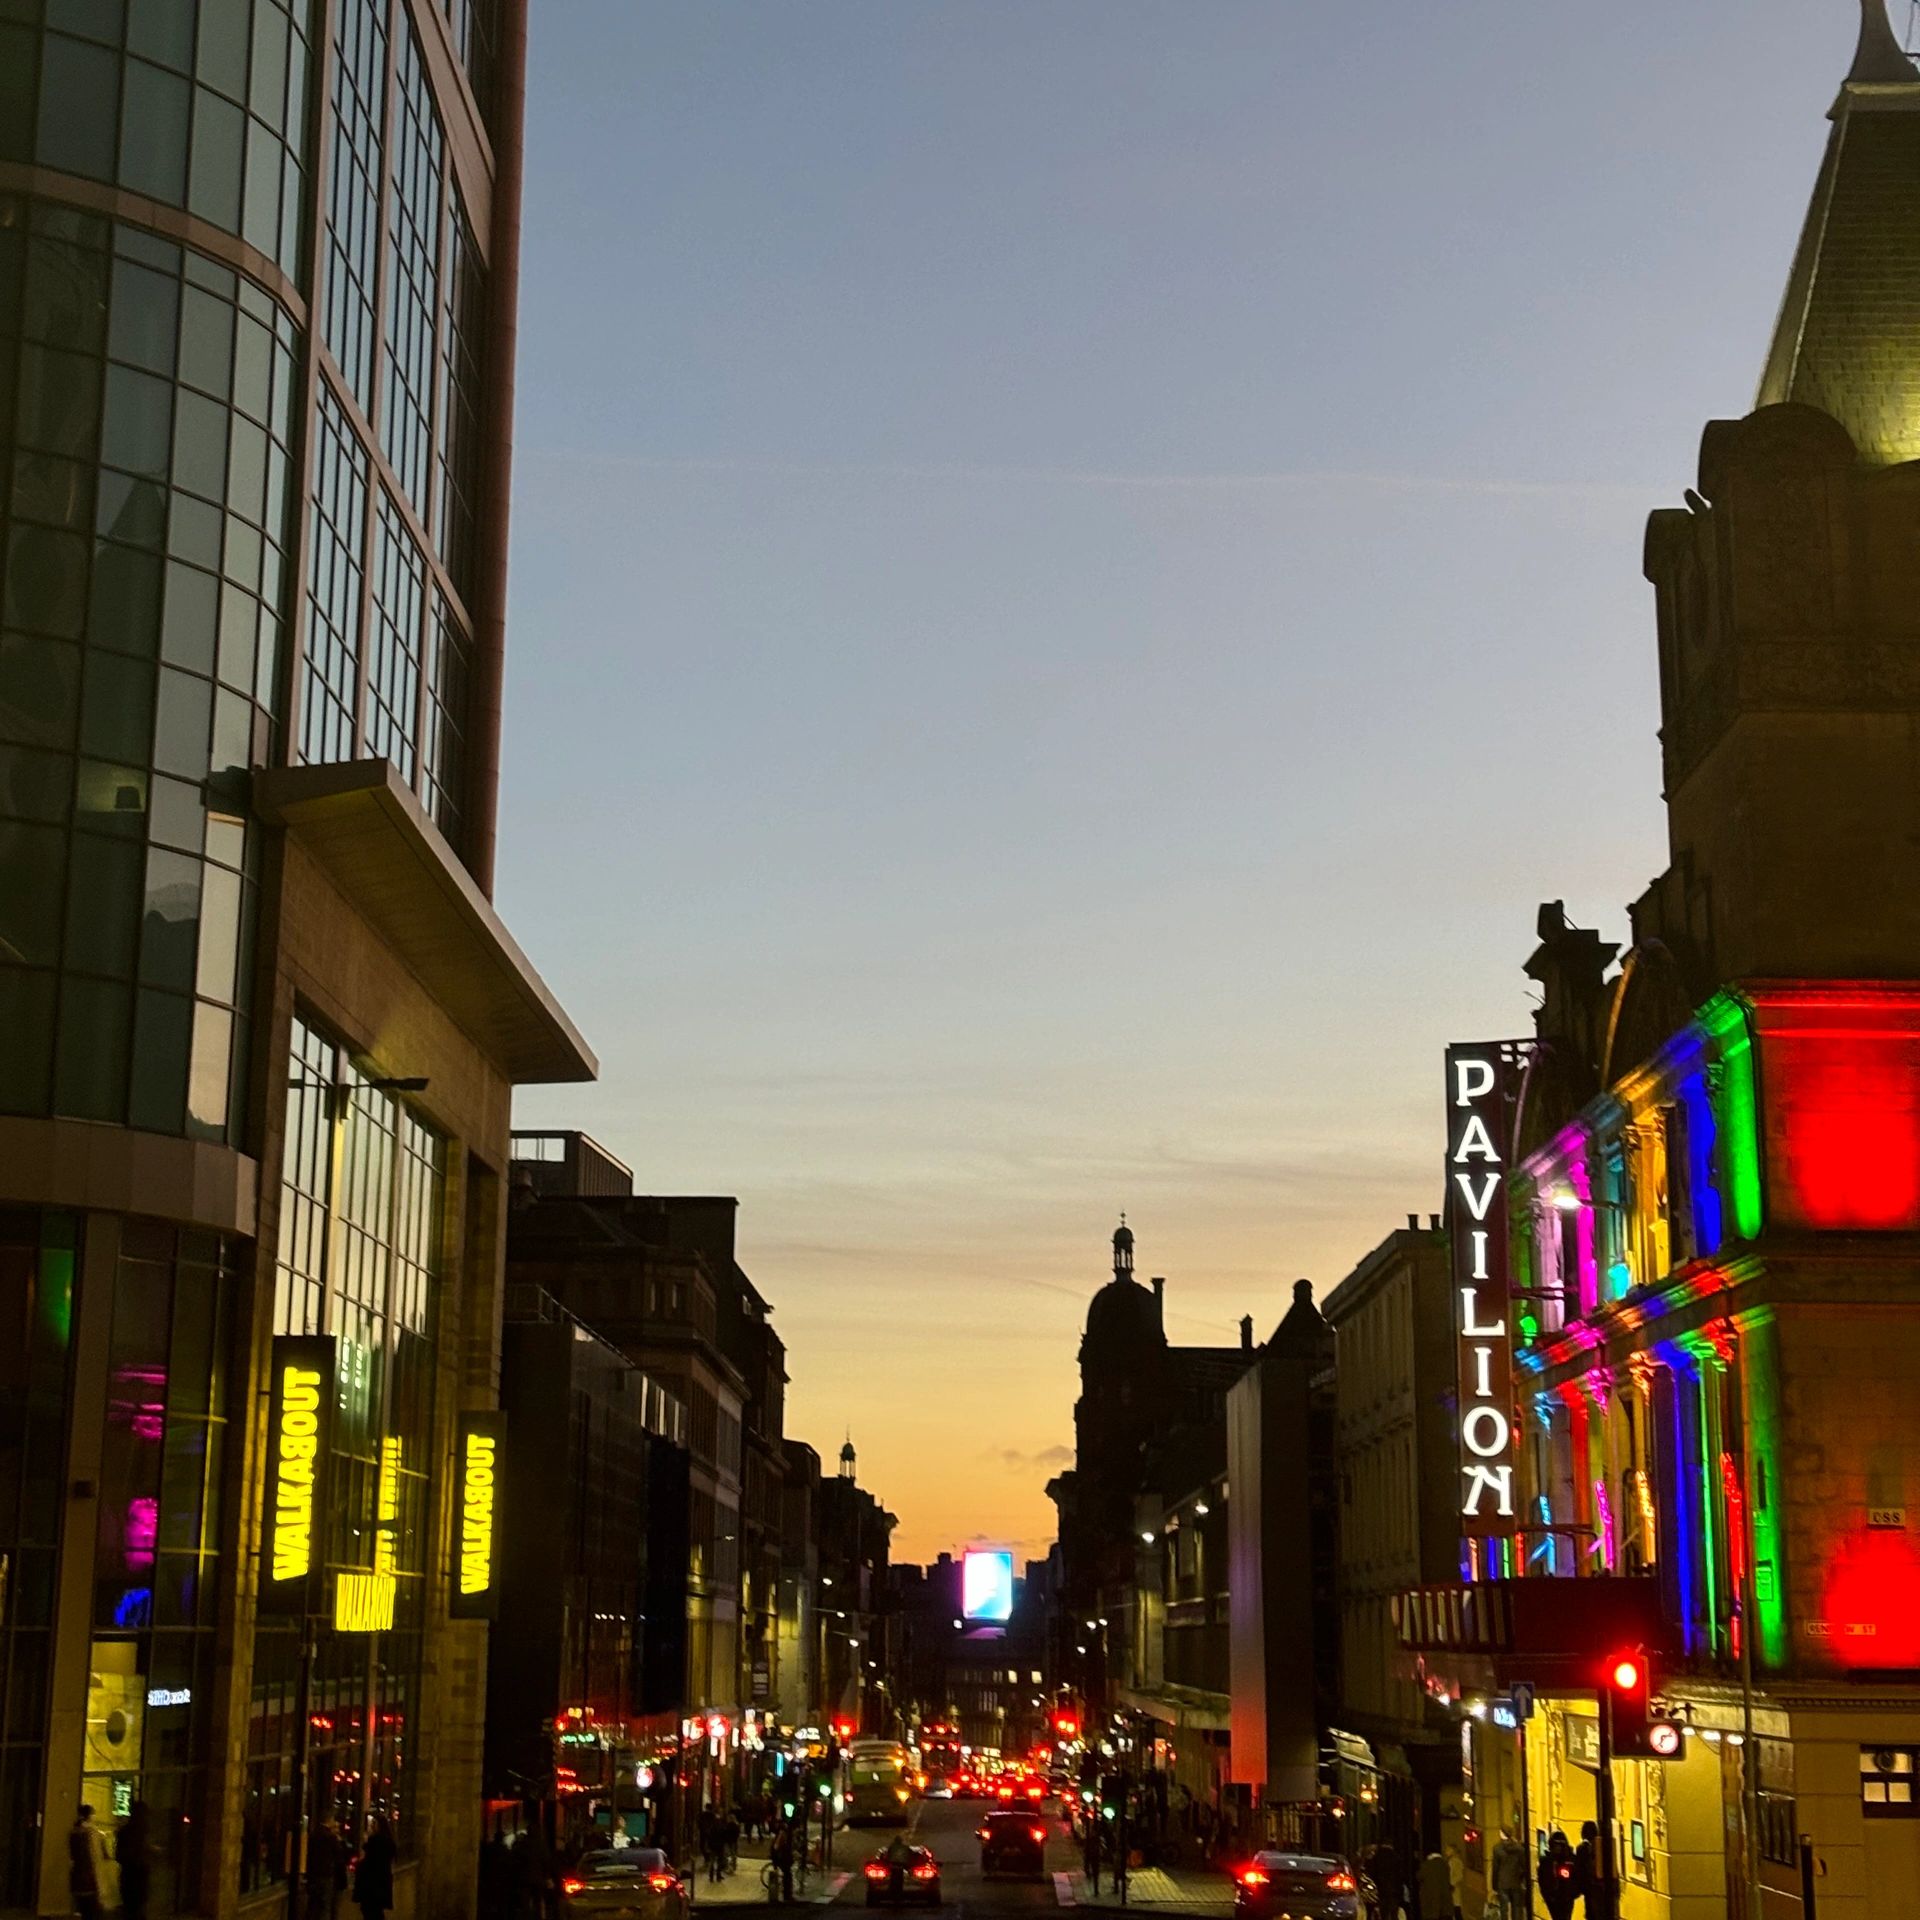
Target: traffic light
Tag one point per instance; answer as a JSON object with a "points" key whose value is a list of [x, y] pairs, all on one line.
{"points": [[1627, 1689], [1112, 1789], [1066, 1725]]}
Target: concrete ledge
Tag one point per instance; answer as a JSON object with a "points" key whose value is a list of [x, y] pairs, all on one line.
{"points": [[89, 1166]]}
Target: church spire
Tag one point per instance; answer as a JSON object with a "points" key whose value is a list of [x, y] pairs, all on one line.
{"points": [[1879, 59]]}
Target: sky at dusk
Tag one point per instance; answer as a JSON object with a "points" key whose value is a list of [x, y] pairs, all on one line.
{"points": [[1076, 580]]}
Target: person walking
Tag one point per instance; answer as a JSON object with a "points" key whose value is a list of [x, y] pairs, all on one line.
{"points": [[133, 1854], [1589, 1875], [1435, 1889], [781, 1854], [1558, 1869], [83, 1873], [1383, 1869], [1509, 1876], [373, 1877], [327, 1870]]}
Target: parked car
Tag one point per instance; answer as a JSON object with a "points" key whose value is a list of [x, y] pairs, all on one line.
{"points": [[1303, 1886], [901, 1872], [1013, 1843], [632, 1883]]}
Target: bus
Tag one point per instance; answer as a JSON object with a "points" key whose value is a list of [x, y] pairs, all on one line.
{"points": [[880, 1784]]}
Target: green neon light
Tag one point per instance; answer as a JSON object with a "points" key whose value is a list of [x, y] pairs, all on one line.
{"points": [[1760, 1403], [1729, 1024]]}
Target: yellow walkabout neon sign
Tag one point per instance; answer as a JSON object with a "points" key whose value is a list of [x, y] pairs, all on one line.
{"points": [[477, 1455], [299, 1418]]}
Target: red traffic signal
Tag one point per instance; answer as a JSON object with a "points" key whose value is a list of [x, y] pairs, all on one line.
{"points": [[1627, 1673], [1066, 1726]]}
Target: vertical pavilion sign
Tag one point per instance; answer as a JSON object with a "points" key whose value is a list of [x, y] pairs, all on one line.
{"points": [[300, 1399], [1483, 1085], [477, 1462]]}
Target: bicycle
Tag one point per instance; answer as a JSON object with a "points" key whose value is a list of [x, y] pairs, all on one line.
{"points": [[803, 1875]]}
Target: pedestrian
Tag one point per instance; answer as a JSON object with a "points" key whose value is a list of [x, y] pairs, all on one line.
{"points": [[781, 1854], [1435, 1889], [1589, 1874], [709, 1842], [729, 1842], [373, 1877], [133, 1854], [1456, 1875], [1383, 1869], [1557, 1877], [83, 1874], [1509, 1874], [327, 1870]]}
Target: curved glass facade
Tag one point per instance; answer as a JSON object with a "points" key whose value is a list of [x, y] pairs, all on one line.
{"points": [[199, 104], [146, 400]]}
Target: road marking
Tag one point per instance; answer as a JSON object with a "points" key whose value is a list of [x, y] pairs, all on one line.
{"points": [[1063, 1889]]}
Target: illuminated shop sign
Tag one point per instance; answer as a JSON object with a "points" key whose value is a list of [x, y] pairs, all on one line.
{"points": [[1483, 1084], [986, 1584], [478, 1457], [299, 1422], [363, 1602]]}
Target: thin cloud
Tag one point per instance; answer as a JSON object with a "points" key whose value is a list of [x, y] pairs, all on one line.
{"points": [[1046, 1457], [1475, 486]]}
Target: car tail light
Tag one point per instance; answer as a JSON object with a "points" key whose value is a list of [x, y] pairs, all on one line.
{"points": [[1340, 1883], [662, 1882], [573, 1886], [875, 1871], [926, 1873], [1039, 1835], [1252, 1877]]}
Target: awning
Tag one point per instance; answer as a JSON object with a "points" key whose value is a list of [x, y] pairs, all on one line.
{"points": [[370, 834]]}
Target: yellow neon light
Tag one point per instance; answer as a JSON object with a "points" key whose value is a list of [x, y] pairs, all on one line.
{"points": [[293, 1472], [363, 1602], [476, 1513], [387, 1506]]}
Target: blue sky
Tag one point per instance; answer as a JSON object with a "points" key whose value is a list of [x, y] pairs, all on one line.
{"points": [[1075, 583]]}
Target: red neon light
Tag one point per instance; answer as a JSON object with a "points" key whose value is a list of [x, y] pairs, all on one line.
{"points": [[1872, 1602]]}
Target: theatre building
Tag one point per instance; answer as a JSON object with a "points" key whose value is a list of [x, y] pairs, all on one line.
{"points": [[259, 1021], [1713, 1296]]}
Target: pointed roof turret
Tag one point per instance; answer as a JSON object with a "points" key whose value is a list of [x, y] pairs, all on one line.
{"points": [[1848, 337], [1879, 60]]}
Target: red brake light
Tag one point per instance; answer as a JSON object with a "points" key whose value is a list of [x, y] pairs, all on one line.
{"points": [[1253, 1877], [1340, 1883], [925, 1872], [1039, 1834], [662, 1882], [573, 1886], [876, 1870]]}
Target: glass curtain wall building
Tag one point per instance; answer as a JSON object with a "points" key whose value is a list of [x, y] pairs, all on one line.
{"points": [[259, 1023]]}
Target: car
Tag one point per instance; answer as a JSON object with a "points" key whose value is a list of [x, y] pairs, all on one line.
{"points": [[625, 1883], [1013, 1843], [901, 1872], [1301, 1886]]}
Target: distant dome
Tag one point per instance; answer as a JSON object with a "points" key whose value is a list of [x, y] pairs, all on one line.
{"points": [[1122, 1238], [1123, 1314]]}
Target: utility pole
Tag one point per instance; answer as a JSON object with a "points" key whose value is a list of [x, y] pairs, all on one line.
{"points": [[1603, 1843]]}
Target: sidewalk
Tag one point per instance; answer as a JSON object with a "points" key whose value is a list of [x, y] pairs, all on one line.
{"points": [[743, 1888], [1197, 1890]]}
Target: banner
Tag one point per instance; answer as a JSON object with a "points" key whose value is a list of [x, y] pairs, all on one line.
{"points": [[478, 1459], [300, 1403]]}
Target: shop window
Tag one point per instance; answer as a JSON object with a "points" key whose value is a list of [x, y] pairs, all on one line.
{"points": [[1887, 1778]]}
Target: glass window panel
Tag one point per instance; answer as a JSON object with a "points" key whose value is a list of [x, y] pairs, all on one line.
{"points": [[239, 613], [101, 20], [260, 221], [232, 732], [252, 369], [267, 95], [330, 668], [393, 666], [116, 716], [34, 784], [180, 741], [199, 445], [153, 133], [19, 70], [162, 30], [179, 815], [219, 934], [50, 488], [125, 614], [26, 1062], [171, 919], [146, 317], [79, 107], [39, 689], [213, 188], [182, 1484], [413, 277], [244, 551], [207, 1080], [46, 585], [34, 860], [59, 406], [247, 469], [226, 840], [90, 1059], [163, 1025], [105, 897], [194, 529], [139, 422], [206, 341], [130, 510], [222, 61], [192, 619], [111, 799], [353, 198]]}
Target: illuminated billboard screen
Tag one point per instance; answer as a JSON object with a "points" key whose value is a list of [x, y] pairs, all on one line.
{"points": [[986, 1585]]}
